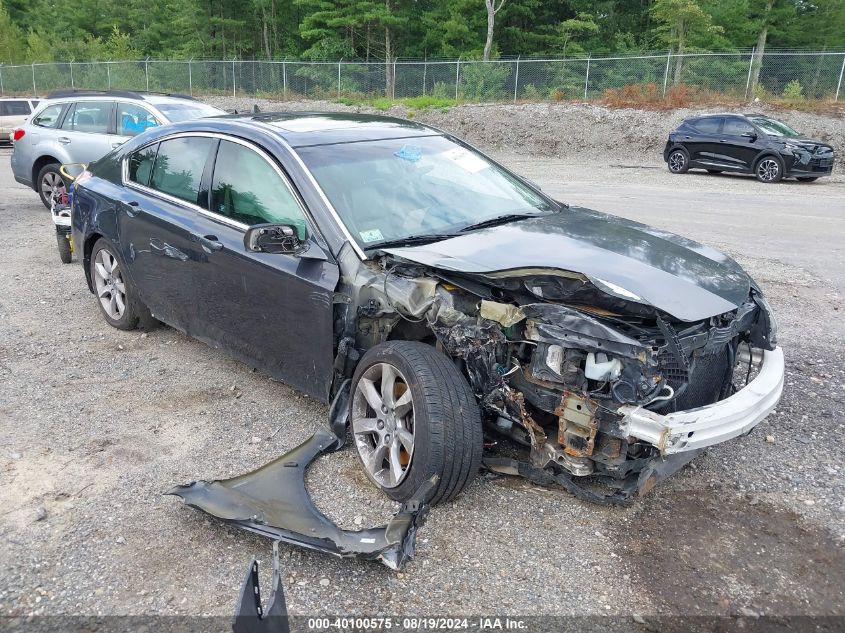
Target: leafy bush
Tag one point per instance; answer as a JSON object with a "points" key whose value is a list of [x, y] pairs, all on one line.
{"points": [[793, 90], [484, 81], [531, 93]]}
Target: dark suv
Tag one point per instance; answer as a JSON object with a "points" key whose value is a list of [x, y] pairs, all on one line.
{"points": [[746, 144]]}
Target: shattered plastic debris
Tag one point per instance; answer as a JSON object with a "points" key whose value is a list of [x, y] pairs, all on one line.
{"points": [[272, 501]]}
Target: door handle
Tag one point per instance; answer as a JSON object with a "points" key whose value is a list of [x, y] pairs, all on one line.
{"points": [[210, 243], [132, 208], [687, 138], [64, 140]]}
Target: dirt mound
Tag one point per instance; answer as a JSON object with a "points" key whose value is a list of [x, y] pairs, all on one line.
{"points": [[558, 129]]}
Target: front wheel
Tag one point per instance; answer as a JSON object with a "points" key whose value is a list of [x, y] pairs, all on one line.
{"points": [[769, 169], [65, 250], [678, 162], [414, 416]]}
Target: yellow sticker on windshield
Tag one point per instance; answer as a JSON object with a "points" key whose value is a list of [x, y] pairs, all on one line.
{"points": [[371, 235], [466, 160]]}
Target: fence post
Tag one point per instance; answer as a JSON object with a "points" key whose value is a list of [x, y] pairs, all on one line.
{"points": [[666, 74], [34, 89], [839, 85], [425, 72], [190, 78], [338, 76], [71, 75], [750, 68], [516, 79], [234, 90], [1, 80], [147, 72], [285, 78], [587, 78], [457, 77], [108, 73], [393, 87]]}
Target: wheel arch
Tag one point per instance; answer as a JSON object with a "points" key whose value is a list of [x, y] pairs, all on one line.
{"points": [[38, 165], [87, 247]]}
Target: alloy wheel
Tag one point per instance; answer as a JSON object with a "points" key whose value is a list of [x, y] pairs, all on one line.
{"points": [[108, 281], [768, 169], [677, 161], [383, 424], [49, 183]]}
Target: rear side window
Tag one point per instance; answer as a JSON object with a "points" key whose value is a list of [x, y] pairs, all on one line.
{"points": [[141, 164], [737, 127], [247, 189], [14, 108], [133, 119], [710, 125], [88, 116], [178, 167], [49, 116]]}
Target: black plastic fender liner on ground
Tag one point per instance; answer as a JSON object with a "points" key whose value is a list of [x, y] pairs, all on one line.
{"points": [[272, 501]]}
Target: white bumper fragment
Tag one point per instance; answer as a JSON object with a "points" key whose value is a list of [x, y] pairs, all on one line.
{"points": [[698, 428]]}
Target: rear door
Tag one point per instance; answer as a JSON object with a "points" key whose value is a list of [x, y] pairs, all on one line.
{"points": [[702, 139], [272, 311], [84, 130], [738, 143], [156, 224]]}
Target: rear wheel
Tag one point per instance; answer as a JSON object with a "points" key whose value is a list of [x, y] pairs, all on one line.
{"points": [[769, 169], [678, 161], [414, 416], [117, 297], [49, 179], [808, 178]]}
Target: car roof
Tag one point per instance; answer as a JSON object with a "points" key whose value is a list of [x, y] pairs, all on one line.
{"points": [[303, 129], [111, 95], [21, 98]]}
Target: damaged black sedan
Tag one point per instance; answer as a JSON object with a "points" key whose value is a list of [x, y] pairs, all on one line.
{"points": [[467, 308]]}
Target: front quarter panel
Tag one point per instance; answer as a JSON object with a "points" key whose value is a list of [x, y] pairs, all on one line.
{"points": [[94, 215]]}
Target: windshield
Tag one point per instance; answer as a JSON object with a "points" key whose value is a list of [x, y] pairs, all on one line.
{"points": [[774, 127], [387, 190], [176, 112]]}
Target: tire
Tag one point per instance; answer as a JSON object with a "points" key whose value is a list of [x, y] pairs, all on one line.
{"points": [[807, 178], [714, 171], [678, 161], [106, 284], [769, 169], [48, 177], [442, 416], [65, 253]]}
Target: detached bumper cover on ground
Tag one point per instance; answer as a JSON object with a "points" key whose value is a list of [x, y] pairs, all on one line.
{"points": [[272, 501], [699, 428]]}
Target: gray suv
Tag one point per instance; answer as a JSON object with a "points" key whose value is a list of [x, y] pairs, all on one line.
{"points": [[81, 126]]}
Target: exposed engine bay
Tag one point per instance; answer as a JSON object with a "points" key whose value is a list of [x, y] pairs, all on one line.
{"points": [[560, 364]]}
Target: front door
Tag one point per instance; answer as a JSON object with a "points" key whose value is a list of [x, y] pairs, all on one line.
{"points": [[739, 143], [272, 311]]}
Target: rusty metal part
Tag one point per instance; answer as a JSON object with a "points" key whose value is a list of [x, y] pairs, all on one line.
{"points": [[577, 424], [535, 431]]}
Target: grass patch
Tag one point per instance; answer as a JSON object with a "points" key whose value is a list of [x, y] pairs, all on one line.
{"points": [[411, 103]]}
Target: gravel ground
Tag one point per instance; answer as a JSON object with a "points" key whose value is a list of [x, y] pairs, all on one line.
{"points": [[97, 423]]}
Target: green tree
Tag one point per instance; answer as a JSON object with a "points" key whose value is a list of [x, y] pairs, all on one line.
{"points": [[680, 22], [11, 38]]}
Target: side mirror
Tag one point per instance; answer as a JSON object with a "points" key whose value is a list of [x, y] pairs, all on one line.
{"points": [[750, 135], [274, 238]]}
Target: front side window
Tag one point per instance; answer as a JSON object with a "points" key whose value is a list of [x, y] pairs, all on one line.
{"points": [[774, 127], [141, 164], [178, 167], [709, 125], [737, 127], [247, 189], [387, 190], [14, 108], [133, 119], [49, 116], [91, 117]]}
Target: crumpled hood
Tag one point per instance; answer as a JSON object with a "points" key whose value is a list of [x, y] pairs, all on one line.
{"points": [[679, 276]]}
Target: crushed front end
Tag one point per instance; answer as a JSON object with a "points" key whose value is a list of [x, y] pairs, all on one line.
{"points": [[595, 387]]}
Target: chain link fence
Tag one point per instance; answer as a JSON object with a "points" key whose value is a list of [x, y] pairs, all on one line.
{"points": [[810, 75]]}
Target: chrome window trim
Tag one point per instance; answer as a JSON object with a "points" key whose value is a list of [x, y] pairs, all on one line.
{"points": [[205, 212]]}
